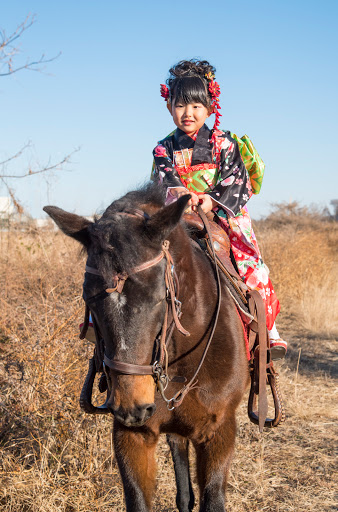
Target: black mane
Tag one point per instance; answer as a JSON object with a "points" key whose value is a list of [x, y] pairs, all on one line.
{"points": [[116, 238], [150, 193]]}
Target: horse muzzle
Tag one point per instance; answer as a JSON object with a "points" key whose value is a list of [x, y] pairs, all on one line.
{"points": [[131, 398], [135, 417]]}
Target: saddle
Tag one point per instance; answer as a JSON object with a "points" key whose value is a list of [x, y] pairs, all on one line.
{"points": [[215, 242]]}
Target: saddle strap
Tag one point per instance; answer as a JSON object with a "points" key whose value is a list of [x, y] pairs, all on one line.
{"points": [[257, 304], [235, 280]]}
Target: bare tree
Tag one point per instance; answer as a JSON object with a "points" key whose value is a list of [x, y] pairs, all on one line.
{"points": [[9, 56]]}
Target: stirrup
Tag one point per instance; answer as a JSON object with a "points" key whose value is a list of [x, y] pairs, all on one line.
{"points": [[273, 383], [278, 349]]}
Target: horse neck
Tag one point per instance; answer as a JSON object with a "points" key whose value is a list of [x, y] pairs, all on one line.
{"points": [[195, 275]]}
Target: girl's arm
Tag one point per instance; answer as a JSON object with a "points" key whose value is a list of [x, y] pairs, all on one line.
{"points": [[163, 168], [233, 188], [165, 173]]}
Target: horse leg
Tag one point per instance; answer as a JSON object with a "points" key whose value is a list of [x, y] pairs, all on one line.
{"points": [[213, 463], [135, 455], [185, 498]]}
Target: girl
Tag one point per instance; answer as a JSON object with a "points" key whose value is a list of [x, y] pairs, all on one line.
{"points": [[219, 170]]}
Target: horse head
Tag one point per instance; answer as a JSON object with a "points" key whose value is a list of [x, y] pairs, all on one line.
{"points": [[125, 289]]}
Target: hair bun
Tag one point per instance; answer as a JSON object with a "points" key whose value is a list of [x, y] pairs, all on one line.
{"points": [[193, 67]]}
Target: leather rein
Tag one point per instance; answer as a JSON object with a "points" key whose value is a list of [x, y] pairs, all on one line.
{"points": [[159, 369]]}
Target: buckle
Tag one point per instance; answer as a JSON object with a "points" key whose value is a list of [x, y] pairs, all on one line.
{"points": [[178, 305], [162, 380]]}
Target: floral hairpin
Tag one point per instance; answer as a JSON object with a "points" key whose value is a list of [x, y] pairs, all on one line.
{"points": [[164, 92], [215, 92], [209, 76]]}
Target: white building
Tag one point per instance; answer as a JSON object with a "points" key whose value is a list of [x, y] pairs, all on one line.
{"points": [[6, 207]]}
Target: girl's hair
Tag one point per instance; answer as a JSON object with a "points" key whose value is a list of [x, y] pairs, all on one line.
{"points": [[188, 83]]}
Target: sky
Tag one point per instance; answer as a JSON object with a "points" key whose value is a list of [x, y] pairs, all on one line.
{"points": [[276, 64]]}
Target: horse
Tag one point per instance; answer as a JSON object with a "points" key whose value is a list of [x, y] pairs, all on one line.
{"points": [[132, 250]]}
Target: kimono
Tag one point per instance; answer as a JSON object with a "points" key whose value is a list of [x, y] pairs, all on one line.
{"points": [[229, 169]]}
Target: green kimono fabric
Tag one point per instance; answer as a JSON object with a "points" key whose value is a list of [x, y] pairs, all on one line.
{"points": [[252, 161]]}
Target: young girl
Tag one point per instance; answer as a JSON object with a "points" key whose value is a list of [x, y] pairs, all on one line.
{"points": [[219, 170]]}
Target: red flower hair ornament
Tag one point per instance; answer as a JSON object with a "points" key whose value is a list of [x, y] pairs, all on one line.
{"points": [[164, 92]]}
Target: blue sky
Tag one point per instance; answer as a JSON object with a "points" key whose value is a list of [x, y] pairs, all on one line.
{"points": [[276, 64]]}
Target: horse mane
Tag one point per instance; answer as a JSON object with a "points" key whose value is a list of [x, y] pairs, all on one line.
{"points": [[150, 193], [112, 236]]}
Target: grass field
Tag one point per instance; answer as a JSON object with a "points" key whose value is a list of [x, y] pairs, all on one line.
{"points": [[54, 458]]}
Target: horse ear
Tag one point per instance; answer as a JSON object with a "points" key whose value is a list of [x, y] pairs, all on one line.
{"points": [[71, 224], [160, 225]]}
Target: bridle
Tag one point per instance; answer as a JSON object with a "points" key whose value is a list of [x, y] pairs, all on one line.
{"points": [[159, 368]]}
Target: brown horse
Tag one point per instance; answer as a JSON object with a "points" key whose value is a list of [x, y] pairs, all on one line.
{"points": [[129, 234]]}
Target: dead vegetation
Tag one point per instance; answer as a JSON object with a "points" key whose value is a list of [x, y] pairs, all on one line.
{"points": [[300, 246], [55, 458]]}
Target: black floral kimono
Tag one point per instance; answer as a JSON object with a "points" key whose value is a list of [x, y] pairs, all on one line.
{"points": [[229, 169], [209, 163]]}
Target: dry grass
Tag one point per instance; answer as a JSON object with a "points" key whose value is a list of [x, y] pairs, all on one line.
{"points": [[300, 247], [56, 459]]}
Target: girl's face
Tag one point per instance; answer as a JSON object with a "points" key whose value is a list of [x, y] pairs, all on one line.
{"points": [[188, 117]]}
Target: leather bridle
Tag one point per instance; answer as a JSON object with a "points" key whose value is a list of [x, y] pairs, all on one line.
{"points": [[172, 288], [159, 369]]}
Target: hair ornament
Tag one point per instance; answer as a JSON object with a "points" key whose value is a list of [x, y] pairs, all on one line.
{"points": [[164, 92], [209, 76], [215, 92]]}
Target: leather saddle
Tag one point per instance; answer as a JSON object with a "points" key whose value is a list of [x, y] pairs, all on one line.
{"points": [[221, 244]]}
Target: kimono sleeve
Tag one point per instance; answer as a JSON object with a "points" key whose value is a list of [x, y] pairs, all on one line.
{"points": [[233, 188], [163, 169], [252, 161]]}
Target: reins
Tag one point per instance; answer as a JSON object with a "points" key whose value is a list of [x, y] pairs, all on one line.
{"points": [[178, 398]]}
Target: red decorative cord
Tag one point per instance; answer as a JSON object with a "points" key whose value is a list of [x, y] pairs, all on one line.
{"points": [[215, 92]]}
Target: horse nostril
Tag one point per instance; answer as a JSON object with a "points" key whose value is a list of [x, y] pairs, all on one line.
{"points": [[143, 412], [135, 417], [150, 409]]}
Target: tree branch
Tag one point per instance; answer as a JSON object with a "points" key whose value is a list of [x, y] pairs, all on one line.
{"points": [[8, 51], [19, 153], [30, 172]]}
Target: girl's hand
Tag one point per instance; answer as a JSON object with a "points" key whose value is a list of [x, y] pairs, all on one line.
{"points": [[206, 203], [175, 192]]}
